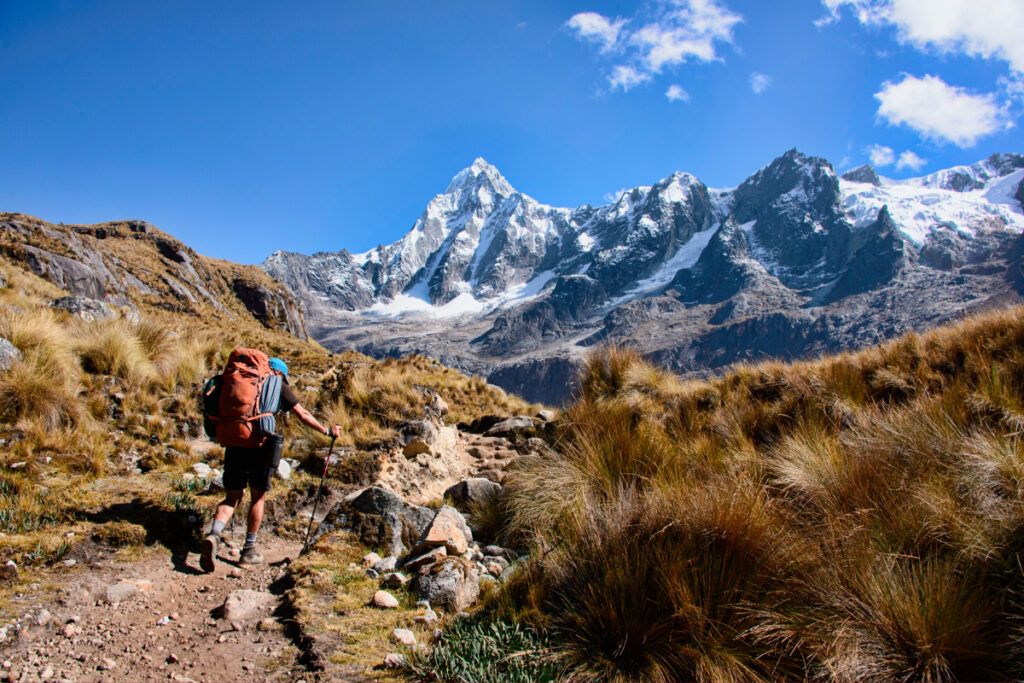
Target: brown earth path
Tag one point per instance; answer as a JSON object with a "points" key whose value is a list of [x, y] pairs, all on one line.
{"points": [[94, 636]]}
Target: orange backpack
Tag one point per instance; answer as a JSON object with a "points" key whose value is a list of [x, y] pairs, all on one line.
{"points": [[240, 390]]}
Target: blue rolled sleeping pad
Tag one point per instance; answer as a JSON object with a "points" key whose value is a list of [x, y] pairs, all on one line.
{"points": [[270, 399]]}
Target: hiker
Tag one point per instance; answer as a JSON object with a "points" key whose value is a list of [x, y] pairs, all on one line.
{"points": [[254, 466]]}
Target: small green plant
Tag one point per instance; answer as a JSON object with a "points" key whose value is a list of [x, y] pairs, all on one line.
{"points": [[482, 649], [197, 485]]}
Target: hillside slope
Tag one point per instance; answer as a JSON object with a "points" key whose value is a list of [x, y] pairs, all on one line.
{"points": [[854, 518], [131, 263]]}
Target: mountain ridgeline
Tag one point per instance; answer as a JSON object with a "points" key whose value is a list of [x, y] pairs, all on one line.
{"points": [[793, 262]]}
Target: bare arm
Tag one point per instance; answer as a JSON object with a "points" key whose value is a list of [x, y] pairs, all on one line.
{"points": [[307, 418]]}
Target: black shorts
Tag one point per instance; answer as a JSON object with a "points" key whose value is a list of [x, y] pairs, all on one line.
{"points": [[247, 467]]}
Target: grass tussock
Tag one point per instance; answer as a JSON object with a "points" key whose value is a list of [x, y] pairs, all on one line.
{"points": [[856, 517], [370, 398]]}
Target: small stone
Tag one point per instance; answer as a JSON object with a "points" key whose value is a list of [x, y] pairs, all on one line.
{"points": [[202, 470], [222, 638], [393, 660], [404, 636], [174, 616], [107, 664], [163, 621], [386, 565], [267, 624], [394, 580], [384, 600], [70, 562], [235, 573], [120, 592], [426, 559], [370, 559], [172, 659], [43, 618]]}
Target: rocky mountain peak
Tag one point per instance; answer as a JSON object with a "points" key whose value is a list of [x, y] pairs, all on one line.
{"points": [[480, 174], [863, 174]]}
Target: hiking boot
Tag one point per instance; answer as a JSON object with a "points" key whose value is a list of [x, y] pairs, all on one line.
{"points": [[208, 553], [250, 556]]}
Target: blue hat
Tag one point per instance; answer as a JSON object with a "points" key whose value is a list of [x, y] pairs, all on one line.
{"points": [[279, 365]]}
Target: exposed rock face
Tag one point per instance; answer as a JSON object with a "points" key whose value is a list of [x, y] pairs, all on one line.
{"points": [[89, 310], [863, 174], [9, 354], [130, 262], [877, 261], [273, 309]]}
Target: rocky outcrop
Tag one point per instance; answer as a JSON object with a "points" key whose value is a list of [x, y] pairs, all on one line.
{"points": [[876, 262], [89, 310], [379, 518], [273, 309], [798, 224], [128, 263], [863, 174]]}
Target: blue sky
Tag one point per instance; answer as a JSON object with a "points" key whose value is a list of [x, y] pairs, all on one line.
{"points": [[244, 127]]}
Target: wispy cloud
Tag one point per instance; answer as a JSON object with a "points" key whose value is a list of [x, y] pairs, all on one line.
{"points": [[910, 160], [626, 78], [759, 82], [992, 28], [662, 35], [612, 197], [940, 111], [676, 94], [880, 155], [595, 28]]}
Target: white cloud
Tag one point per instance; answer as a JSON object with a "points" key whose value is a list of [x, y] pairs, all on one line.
{"points": [[881, 156], [677, 94], [910, 160], [940, 111], [664, 34], [595, 28], [612, 197], [978, 28], [626, 78], [759, 82]]}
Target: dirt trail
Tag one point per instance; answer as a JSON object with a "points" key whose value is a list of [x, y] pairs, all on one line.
{"points": [[160, 618]]}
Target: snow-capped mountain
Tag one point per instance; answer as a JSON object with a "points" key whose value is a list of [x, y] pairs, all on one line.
{"points": [[665, 266]]}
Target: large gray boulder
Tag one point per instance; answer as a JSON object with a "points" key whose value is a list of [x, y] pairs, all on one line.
{"points": [[89, 310], [511, 426], [452, 584], [472, 492], [378, 517], [9, 354]]}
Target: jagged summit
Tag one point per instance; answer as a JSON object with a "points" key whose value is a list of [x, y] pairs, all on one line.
{"points": [[480, 174]]}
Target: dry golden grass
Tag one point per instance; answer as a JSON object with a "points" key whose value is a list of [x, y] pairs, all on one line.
{"points": [[854, 517]]}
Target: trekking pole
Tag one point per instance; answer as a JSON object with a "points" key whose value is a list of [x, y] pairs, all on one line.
{"points": [[316, 501]]}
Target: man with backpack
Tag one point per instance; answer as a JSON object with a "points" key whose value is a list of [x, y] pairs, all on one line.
{"points": [[251, 390]]}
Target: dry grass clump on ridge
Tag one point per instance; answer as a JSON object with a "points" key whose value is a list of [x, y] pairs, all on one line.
{"points": [[857, 517], [369, 398]]}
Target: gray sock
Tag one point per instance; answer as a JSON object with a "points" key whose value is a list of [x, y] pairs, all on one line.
{"points": [[217, 528], [250, 539]]}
